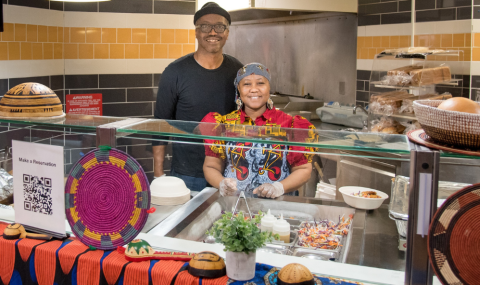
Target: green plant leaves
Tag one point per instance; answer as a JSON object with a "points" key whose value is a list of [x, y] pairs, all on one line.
{"points": [[239, 234]]}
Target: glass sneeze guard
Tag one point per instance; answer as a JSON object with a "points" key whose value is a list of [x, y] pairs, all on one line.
{"points": [[181, 130], [86, 122]]}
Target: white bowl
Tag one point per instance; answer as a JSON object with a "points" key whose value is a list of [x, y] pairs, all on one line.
{"points": [[360, 202]]}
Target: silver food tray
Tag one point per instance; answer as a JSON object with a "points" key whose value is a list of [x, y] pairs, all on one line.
{"points": [[315, 254], [336, 251], [276, 248]]}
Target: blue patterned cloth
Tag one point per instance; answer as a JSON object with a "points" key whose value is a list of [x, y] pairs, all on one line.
{"points": [[267, 275]]}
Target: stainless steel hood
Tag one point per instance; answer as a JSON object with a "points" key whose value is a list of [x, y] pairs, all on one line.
{"points": [[246, 10]]}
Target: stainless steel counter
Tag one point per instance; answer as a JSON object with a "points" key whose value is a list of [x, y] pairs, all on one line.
{"points": [[373, 242]]}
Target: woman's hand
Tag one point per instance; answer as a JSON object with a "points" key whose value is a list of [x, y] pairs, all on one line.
{"points": [[228, 187], [269, 190]]}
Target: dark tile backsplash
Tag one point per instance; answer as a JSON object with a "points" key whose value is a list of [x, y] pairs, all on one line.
{"points": [[360, 85], [174, 7], [128, 110], [425, 4], [141, 94], [464, 13], [156, 79], [45, 80], [81, 81], [135, 95], [476, 12], [404, 6], [126, 6], [125, 80], [388, 7], [56, 5], [369, 20], [56, 82], [363, 74], [3, 86], [186, 7], [381, 12], [44, 4], [453, 3], [396, 18], [81, 7], [368, 1], [362, 96], [436, 15]]}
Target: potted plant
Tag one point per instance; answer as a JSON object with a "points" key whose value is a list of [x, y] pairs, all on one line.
{"points": [[241, 237]]}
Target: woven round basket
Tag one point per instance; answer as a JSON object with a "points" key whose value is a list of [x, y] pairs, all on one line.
{"points": [[448, 127], [454, 238], [30, 100], [107, 196]]}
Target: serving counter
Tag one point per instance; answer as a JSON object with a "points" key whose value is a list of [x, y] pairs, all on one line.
{"points": [[369, 252]]}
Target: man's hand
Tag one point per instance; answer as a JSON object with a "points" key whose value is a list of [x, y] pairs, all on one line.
{"points": [[269, 190]]}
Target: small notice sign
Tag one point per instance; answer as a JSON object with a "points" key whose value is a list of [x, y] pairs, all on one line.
{"points": [[38, 186], [84, 104]]}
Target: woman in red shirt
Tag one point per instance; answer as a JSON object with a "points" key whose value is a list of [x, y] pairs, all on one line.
{"points": [[265, 169]]}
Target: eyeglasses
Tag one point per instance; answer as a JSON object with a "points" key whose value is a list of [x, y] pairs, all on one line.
{"points": [[206, 28]]}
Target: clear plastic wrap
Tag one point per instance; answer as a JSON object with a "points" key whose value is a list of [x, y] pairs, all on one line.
{"points": [[410, 126], [415, 75], [388, 103], [387, 126], [407, 104], [6, 185]]}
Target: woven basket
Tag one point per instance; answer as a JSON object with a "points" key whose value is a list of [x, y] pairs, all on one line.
{"points": [[448, 127]]}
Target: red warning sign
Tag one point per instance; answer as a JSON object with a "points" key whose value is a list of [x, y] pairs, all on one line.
{"points": [[84, 104]]}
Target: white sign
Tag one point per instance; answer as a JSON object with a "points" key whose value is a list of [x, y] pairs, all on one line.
{"points": [[39, 186]]}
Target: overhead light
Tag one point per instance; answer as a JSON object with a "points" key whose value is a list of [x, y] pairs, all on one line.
{"points": [[80, 0]]}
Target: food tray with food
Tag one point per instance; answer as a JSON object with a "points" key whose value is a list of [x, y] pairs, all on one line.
{"points": [[324, 235], [201, 220]]}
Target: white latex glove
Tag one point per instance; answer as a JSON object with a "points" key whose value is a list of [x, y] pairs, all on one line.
{"points": [[269, 190], [228, 187]]}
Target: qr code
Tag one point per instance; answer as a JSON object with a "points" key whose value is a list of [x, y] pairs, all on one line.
{"points": [[37, 193]]}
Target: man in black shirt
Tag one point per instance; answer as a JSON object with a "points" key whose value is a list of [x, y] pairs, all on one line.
{"points": [[194, 85]]}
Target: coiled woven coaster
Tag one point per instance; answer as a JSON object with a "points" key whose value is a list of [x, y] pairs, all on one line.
{"points": [[454, 238], [107, 196]]}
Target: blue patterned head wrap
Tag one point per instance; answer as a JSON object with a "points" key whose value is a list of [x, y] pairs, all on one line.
{"points": [[249, 69]]}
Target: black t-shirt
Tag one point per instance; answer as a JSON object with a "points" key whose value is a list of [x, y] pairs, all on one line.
{"points": [[188, 92]]}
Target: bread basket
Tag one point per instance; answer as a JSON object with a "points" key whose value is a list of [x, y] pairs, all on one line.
{"points": [[448, 127]]}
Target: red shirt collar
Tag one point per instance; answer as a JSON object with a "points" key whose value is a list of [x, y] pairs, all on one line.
{"points": [[268, 114]]}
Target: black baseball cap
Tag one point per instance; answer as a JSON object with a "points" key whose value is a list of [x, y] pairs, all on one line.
{"points": [[211, 8]]}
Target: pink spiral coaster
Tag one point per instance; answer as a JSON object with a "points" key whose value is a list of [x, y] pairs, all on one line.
{"points": [[107, 196]]}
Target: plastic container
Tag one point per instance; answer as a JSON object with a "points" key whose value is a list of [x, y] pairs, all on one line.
{"points": [[360, 202], [266, 224], [282, 228]]}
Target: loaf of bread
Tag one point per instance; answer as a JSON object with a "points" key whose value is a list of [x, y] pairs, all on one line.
{"points": [[389, 102], [407, 104], [417, 76], [428, 76]]}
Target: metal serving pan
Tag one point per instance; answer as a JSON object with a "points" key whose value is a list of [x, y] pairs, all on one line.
{"points": [[200, 215]]}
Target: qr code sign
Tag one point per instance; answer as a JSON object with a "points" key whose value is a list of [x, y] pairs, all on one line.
{"points": [[37, 193]]}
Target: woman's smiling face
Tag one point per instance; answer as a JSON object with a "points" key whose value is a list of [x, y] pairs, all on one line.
{"points": [[254, 91]]}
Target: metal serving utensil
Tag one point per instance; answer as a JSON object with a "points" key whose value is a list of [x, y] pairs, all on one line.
{"points": [[242, 195]]}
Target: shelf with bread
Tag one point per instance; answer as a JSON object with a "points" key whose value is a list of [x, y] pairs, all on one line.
{"points": [[401, 76]]}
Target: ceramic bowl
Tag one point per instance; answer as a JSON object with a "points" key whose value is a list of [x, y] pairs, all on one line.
{"points": [[360, 202]]}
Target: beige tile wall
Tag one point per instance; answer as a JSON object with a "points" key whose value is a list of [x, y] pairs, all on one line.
{"points": [[368, 47], [27, 42]]}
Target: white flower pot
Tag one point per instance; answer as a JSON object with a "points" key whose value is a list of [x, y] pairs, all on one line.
{"points": [[240, 266]]}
